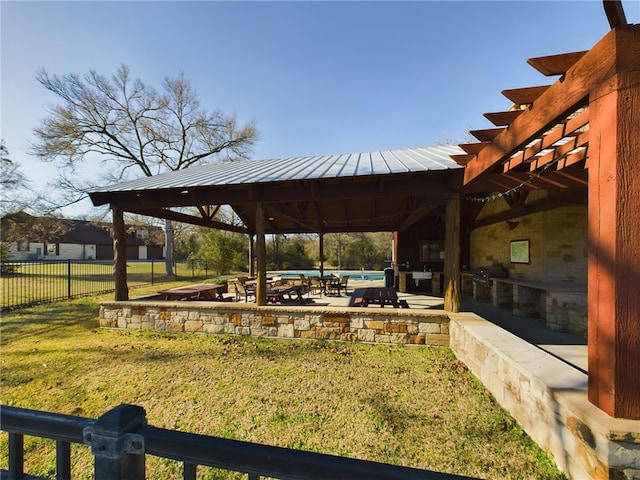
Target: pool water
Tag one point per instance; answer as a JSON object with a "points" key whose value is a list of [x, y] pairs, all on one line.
{"points": [[354, 274]]}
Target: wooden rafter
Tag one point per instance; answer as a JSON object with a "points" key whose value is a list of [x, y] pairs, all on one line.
{"points": [[614, 12], [487, 134], [186, 218], [208, 211], [566, 95], [473, 148], [555, 64], [526, 95], [500, 119]]}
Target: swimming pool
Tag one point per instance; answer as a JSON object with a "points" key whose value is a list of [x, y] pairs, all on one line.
{"points": [[354, 274]]}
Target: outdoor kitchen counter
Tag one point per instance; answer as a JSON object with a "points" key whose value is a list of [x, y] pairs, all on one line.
{"points": [[563, 305]]}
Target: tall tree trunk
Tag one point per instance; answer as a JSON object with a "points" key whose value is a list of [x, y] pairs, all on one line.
{"points": [[168, 262]]}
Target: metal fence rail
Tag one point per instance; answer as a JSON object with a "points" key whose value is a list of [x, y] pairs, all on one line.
{"points": [[32, 282], [121, 438]]}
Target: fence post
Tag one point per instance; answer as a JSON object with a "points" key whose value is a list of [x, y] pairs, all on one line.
{"points": [[152, 264], [69, 278], [118, 450]]}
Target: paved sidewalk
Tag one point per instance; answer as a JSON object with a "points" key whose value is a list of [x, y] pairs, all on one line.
{"points": [[567, 347]]}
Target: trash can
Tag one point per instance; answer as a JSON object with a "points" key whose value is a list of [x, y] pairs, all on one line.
{"points": [[388, 277]]}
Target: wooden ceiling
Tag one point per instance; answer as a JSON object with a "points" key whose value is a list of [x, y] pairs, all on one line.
{"points": [[369, 203]]}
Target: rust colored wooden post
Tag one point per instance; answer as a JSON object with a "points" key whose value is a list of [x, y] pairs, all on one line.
{"points": [[452, 255], [614, 242], [261, 256], [119, 255]]}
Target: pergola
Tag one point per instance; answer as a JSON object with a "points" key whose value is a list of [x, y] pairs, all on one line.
{"points": [[580, 131], [583, 130]]}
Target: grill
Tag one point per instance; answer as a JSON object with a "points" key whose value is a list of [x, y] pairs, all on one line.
{"points": [[485, 274]]}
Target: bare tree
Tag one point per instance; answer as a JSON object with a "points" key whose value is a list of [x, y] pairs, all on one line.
{"points": [[13, 184], [130, 128]]}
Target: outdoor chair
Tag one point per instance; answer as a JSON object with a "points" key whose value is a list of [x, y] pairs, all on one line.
{"points": [[241, 290], [306, 283], [336, 285], [315, 285]]}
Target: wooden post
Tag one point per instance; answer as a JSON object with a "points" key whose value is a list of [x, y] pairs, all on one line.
{"points": [[119, 255], [614, 244], [252, 257], [321, 252], [452, 255], [261, 256]]}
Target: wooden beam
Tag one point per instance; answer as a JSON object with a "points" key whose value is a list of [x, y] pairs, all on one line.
{"points": [[614, 244], [555, 64], [452, 254], [561, 199], [185, 218], [561, 98], [500, 119], [526, 95], [462, 159], [615, 13], [486, 135], [473, 148], [261, 256], [417, 214]]}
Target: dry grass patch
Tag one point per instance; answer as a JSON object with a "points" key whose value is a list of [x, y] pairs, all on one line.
{"points": [[413, 406]]}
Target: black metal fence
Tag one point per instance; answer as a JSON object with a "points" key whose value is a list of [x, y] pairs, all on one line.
{"points": [[121, 438], [26, 283]]}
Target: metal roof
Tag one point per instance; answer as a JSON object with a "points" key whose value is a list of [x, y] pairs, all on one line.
{"points": [[408, 160]]}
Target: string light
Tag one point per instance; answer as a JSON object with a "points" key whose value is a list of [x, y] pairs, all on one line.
{"points": [[532, 176]]}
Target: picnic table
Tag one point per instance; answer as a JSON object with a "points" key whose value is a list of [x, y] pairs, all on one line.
{"points": [[285, 294], [202, 291], [363, 297]]}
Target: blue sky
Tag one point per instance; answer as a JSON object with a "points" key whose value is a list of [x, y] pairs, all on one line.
{"points": [[317, 77]]}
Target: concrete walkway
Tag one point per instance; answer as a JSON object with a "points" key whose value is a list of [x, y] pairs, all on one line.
{"points": [[569, 348]]}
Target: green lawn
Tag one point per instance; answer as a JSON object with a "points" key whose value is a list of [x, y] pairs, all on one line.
{"points": [[413, 406]]}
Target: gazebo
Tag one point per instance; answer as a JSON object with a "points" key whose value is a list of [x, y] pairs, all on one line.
{"points": [[359, 192]]}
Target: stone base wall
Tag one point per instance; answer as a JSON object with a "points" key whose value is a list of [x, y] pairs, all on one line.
{"points": [[548, 398], [567, 312], [347, 324]]}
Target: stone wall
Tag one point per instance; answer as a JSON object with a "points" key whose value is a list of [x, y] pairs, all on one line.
{"points": [[320, 323], [548, 398], [558, 241]]}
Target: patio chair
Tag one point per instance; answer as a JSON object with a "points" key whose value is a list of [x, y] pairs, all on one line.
{"points": [[337, 285], [315, 285], [306, 283], [241, 290]]}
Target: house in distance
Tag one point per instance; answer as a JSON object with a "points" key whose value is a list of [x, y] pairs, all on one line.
{"points": [[45, 238]]}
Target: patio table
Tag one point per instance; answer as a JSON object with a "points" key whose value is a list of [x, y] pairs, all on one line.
{"points": [[202, 291], [285, 294], [363, 297]]}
